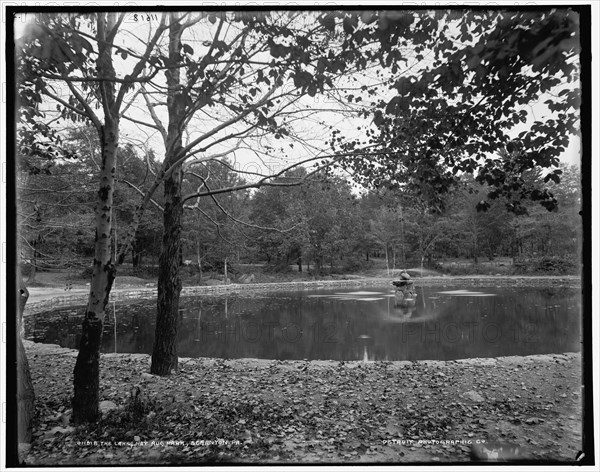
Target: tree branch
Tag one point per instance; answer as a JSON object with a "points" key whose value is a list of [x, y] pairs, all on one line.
{"points": [[141, 192], [229, 122], [137, 69], [159, 126], [93, 118]]}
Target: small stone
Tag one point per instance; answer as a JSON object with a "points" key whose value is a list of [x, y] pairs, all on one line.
{"points": [[473, 396], [65, 418], [106, 406], [58, 430]]}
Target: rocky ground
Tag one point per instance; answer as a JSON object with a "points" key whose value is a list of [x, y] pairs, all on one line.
{"points": [[255, 411]]}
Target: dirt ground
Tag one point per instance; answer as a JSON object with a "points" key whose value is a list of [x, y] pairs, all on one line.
{"points": [[256, 411]]}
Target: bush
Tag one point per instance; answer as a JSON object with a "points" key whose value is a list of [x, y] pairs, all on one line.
{"points": [[547, 265], [278, 267], [555, 265], [355, 264]]}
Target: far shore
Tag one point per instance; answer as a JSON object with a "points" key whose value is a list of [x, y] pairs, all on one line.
{"points": [[42, 298]]}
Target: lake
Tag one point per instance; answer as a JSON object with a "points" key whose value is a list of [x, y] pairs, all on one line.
{"points": [[342, 324]]}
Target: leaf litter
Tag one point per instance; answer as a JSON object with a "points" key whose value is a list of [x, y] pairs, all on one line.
{"points": [[251, 410]]}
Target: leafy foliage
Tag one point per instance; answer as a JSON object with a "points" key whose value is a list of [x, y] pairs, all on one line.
{"points": [[449, 116]]}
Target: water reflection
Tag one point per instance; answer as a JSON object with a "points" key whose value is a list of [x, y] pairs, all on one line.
{"points": [[343, 325]]}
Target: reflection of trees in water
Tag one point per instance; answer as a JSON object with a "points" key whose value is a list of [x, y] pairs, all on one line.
{"points": [[294, 326]]}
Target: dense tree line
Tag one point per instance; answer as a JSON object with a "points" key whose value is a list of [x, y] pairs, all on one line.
{"points": [[327, 224]]}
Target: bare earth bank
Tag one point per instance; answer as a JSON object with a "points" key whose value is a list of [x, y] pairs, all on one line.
{"points": [[250, 410]]}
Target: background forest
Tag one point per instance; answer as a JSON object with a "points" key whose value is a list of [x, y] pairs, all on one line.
{"points": [[327, 225]]}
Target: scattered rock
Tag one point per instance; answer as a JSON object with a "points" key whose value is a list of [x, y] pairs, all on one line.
{"points": [[533, 421], [246, 278], [106, 406], [473, 396], [65, 418], [58, 430]]}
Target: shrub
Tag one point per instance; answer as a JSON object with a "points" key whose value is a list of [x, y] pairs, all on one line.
{"points": [[353, 264], [556, 265], [278, 267]]}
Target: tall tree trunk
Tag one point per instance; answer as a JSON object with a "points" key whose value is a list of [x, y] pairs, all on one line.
{"points": [[86, 377], [387, 261], [199, 260], [32, 273], [136, 254], [164, 352], [25, 392]]}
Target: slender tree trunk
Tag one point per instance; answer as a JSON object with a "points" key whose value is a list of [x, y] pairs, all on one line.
{"points": [[164, 352], [387, 262], [86, 377], [32, 273], [136, 254], [25, 392], [199, 260]]}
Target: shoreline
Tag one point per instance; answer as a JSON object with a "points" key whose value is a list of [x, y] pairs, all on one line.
{"points": [[46, 349], [43, 298]]}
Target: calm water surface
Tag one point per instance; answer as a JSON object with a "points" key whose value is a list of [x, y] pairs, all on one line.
{"points": [[343, 324]]}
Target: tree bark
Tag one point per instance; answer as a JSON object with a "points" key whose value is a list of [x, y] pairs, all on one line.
{"points": [[136, 254], [86, 377], [25, 392], [199, 261], [164, 351]]}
